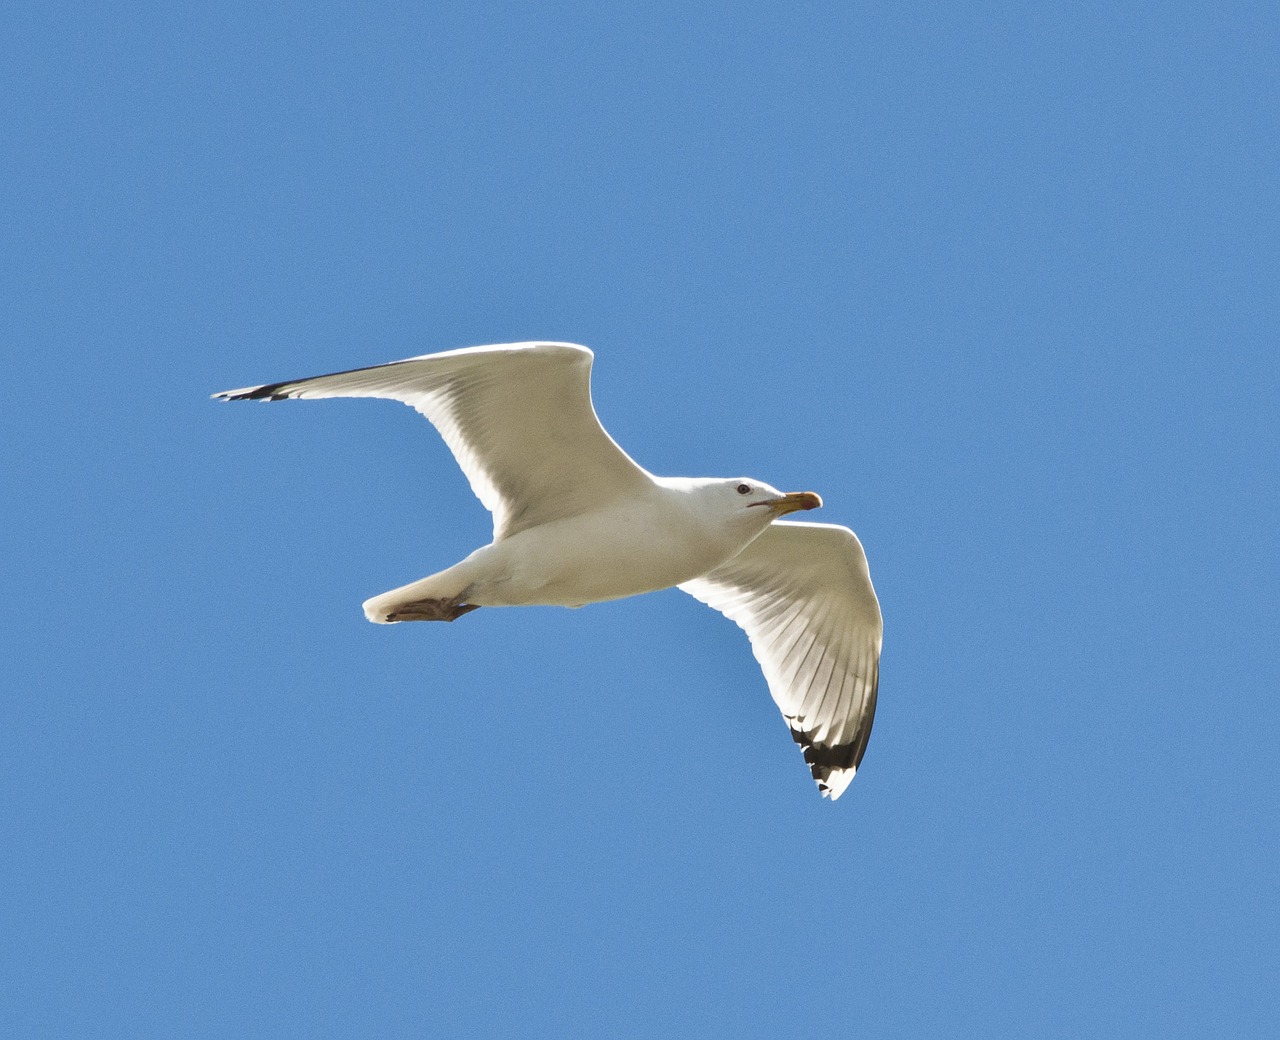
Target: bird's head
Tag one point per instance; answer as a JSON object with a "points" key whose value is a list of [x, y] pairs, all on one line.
{"points": [[758, 503]]}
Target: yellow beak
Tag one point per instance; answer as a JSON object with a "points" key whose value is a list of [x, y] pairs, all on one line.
{"points": [[792, 502]]}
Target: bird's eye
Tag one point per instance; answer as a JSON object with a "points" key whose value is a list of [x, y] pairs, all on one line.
{"points": [[744, 489]]}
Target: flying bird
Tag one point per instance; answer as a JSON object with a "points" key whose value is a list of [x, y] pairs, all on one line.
{"points": [[577, 521]]}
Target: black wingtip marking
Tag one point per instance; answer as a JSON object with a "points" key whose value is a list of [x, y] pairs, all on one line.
{"points": [[270, 392], [825, 759]]}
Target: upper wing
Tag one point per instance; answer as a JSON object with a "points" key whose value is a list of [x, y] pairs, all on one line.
{"points": [[517, 417], [803, 595]]}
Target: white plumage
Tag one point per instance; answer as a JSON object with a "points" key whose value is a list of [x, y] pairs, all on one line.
{"points": [[802, 594], [576, 520]]}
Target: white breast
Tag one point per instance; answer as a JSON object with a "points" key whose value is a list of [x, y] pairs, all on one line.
{"points": [[645, 545]]}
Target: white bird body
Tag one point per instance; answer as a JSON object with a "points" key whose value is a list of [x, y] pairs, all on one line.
{"points": [[577, 521], [625, 549]]}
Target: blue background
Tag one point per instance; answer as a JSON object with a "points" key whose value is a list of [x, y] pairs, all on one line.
{"points": [[1001, 282]]}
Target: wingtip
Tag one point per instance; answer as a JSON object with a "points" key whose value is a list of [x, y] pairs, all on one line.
{"points": [[832, 766], [266, 392], [835, 783]]}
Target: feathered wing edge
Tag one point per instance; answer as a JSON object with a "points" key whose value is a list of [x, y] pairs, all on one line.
{"points": [[517, 417], [804, 597]]}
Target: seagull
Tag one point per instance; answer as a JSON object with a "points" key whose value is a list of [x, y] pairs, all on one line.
{"points": [[577, 521]]}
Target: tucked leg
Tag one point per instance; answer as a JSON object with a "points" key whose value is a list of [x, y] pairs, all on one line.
{"points": [[439, 597], [431, 610]]}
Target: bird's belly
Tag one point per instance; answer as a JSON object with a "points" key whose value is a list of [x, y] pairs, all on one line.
{"points": [[595, 558]]}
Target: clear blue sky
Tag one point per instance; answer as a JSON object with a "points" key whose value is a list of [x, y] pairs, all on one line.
{"points": [[1001, 282]]}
